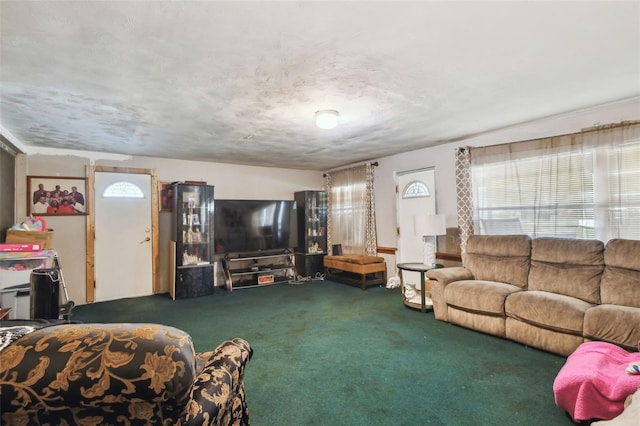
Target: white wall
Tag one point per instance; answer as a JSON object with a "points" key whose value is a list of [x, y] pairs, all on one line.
{"points": [[248, 182], [442, 158], [230, 181]]}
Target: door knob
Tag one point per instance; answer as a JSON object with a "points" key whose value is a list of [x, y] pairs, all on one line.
{"points": [[145, 240]]}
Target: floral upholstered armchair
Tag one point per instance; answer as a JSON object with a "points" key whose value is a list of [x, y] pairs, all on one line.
{"points": [[119, 374]]}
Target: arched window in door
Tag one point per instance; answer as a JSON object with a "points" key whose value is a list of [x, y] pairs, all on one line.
{"points": [[123, 189], [415, 189]]}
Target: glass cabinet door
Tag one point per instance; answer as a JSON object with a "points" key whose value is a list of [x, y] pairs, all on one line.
{"points": [[192, 236], [193, 225], [316, 222], [312, 232]]}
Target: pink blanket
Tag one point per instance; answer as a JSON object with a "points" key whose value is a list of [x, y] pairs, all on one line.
{"points": [[593, 383]]}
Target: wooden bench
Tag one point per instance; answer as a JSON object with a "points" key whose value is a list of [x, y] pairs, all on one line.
{"points": [[355, 268]]}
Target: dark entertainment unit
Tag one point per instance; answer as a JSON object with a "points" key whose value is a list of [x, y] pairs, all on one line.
{"points": [[254, 241], [192, 241], [250, 270], [312, 232]]}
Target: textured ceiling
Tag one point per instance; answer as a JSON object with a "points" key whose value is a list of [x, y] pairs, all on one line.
{"points": [[239, 82]]}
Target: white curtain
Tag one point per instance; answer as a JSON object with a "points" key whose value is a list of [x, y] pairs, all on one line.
{"points": [[581, 185], [616, 179], [351, 218]]}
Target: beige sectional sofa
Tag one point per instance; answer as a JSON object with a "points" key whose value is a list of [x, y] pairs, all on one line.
{"points": [[549, 293]]}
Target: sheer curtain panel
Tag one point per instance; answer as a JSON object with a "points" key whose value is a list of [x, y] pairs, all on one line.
{"points": [[582, 185], [351, 219], [617, 179]]}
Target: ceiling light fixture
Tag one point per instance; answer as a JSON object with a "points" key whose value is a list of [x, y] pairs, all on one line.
{"points": [[327, 118]]}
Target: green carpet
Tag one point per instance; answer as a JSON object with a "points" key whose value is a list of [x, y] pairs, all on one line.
{"points": [[332, 354]]}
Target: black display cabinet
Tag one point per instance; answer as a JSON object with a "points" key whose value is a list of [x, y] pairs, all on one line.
{"points": [[312, 232], [192, 241]]}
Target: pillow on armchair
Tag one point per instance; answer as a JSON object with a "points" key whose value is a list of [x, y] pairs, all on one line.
{"points": [[120, 374]]}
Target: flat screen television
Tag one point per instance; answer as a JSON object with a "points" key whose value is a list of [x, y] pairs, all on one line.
{"points": [[253, 226]]}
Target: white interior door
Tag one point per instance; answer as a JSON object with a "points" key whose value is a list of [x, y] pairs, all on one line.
{"points": [[123, 244], [410, 246]]}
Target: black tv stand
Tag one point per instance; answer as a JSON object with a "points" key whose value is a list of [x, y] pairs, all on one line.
{"points": [[259, 254], [253, 269]]}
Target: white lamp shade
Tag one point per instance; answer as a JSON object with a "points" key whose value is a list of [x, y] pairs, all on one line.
{"points": [[429, 225], [327, 118]]}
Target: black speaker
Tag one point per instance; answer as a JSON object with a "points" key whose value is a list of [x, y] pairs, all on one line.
{"points": [[45, 294]]}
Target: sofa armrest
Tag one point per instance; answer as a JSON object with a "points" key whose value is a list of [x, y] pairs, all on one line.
{"points": [[440, 278], [449, 275], [217, 396]]}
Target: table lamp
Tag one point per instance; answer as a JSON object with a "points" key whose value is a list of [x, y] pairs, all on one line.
{"points": [[428, 227]]}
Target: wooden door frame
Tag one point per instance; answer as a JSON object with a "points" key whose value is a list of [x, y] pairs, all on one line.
{"points": [[91, 226]]}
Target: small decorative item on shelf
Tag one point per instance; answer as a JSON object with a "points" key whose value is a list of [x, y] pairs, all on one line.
{"points": [[193, 259], [314, 248]]}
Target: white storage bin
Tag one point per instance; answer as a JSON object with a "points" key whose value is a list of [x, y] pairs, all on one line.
{"points": [[17, 298]]}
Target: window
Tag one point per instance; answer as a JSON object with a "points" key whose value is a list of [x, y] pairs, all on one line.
{"points": [[416, 189], [574, 186], [550, 195], [347, 213], [351, 210], [123, 189], [624, 191]]}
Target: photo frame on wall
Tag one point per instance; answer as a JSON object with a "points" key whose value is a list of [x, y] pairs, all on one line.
{"points": [[56, 196], [165, 196]]}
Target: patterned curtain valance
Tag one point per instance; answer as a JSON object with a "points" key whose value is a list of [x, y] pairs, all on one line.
{"points": [[464, 197]]}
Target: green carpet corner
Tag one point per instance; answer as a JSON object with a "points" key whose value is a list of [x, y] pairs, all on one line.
{"points": [[332, 354]]}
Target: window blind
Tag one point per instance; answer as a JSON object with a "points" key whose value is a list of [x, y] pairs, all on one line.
{"points": [[624, 191], [584, 185]]}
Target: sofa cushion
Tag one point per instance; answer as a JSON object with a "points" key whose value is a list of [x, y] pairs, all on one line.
{"points": [[95, 373], [621, 279], [614, 324], [548, 310], [553, 341], [501, 258], [567, 266], [479, 296], [489, 324], [121, 374]]}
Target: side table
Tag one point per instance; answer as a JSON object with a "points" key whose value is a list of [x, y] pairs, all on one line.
{"points": [[422, 269]]}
